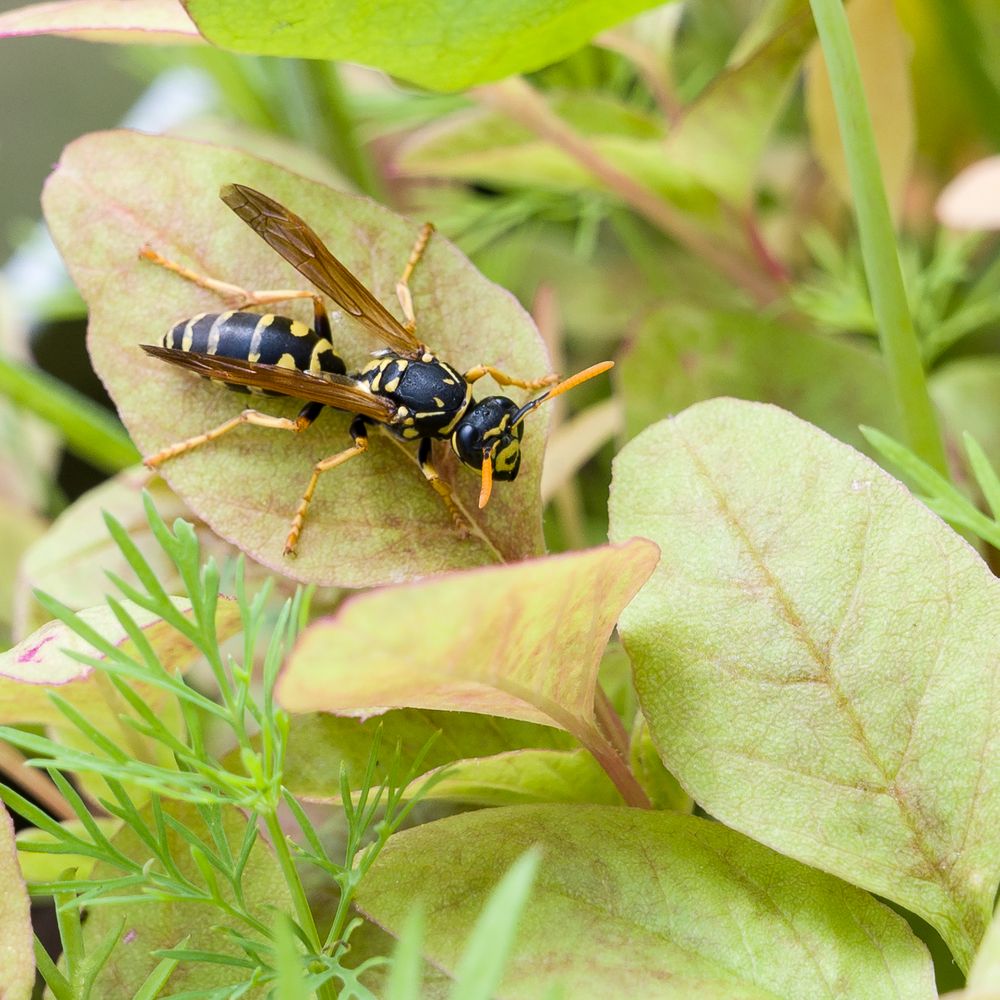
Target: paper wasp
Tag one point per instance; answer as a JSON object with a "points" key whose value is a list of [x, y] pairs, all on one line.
{"points": [[406, 387]]}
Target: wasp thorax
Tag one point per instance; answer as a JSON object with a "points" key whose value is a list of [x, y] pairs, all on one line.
{"points": [[487, 429]]}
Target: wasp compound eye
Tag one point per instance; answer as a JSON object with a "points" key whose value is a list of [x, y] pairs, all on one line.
{"points": [[487, 429]]}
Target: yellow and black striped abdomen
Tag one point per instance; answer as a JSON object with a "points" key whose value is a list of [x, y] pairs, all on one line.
{"points": [[263, 339]]}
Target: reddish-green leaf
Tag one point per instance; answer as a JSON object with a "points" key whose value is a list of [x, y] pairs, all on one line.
{"points": [[373, 520], [522, 641]]}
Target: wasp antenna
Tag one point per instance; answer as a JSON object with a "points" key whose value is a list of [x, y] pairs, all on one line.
{"points": [[557, 390], [487, 488]]}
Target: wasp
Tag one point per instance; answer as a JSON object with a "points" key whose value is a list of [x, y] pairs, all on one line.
{"points": [[405, 388]]}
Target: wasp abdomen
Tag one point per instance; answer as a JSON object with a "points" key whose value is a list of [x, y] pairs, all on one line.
{"points": [[429, 394], [263, 339]]}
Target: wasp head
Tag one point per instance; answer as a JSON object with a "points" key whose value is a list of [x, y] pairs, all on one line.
{"points": [[489, 432]]}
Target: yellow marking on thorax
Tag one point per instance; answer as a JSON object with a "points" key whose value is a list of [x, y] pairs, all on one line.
{"points": [[459, 413], [216, 331], [253, 355], [287, 361], [321, 347], [298, 329]]}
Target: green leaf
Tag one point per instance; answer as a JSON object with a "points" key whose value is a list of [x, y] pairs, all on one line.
{"points": [[522, 777], [817, 657], [445, 45], [522, 641], [682, 354], [630, 903], [319, 745], [375, 519], [149, 22], [42, 867], [155, 925], [481, 965], [17, 962], [487, 147]]}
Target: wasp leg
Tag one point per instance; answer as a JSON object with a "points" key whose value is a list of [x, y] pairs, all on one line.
{"points": [[502, 378], [306, 416], [233, 295], [442, 489], [359, 432], [403, 285]]}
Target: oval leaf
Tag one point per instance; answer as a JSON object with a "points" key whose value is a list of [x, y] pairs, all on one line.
{"points": [[373, 520], [17, 958], [150, 22], [817, 657], [630, 904], [443, 45], [522, 641]]}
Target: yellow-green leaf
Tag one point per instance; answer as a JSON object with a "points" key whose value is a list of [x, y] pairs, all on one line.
{"points": [[629, 903], [443, 45], [818, 657], [17, 962], [41, 664]]}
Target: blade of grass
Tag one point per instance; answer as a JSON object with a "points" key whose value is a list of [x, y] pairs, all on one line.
{"points": [[878, 241], [88, 429]]}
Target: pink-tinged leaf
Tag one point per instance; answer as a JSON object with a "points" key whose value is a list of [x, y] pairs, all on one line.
{"points": [[972, 199], [17, 962], [42, 664], [148, 22], [522, 641], [373, 520]]}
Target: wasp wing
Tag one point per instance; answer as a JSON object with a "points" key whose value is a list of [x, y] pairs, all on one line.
{"points": [[294, 240], [338, 391]]}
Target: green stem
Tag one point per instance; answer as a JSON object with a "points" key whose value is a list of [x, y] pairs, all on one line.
{"points": [[88, 429], [878, 242], [302, 909]]}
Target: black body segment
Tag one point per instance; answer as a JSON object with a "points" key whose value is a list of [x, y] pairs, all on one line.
{"points": [[261, 339], [429, 394]]}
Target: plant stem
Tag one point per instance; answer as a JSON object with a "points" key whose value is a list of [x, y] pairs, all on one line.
{"points": [[616, 768], [88, 429], [878, 242], [610, 722], [521, 102], [302, 909]]}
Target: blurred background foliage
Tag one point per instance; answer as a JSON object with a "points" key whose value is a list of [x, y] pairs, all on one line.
{"points": [[672, 195]]}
